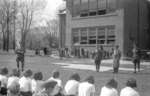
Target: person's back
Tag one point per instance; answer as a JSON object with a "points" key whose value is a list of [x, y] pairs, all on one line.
{"points": [[110, 89], [71, 87], [128, 91], [105, 91], [85, 89]]}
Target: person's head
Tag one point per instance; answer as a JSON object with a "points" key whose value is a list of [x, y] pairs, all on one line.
{"points": [[56, 74], [112, 83], [75, 76], [117, 46], [15, 72], [90, 79], [101, 47], [49, 86], [27, 73], [131, 82], [38, 76], [4, 71]]}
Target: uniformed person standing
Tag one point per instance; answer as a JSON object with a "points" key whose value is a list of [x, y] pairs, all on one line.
{"points": [[98, 58], [116, 59], [20, 58], [136, 58]]}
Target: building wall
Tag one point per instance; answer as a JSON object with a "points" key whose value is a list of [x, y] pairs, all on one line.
{"points": [[130, 20], [62, 30], [135, 24]]}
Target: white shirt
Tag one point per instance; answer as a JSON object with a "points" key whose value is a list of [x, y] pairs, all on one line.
{"points": [[128, 91], [25, 84], [71, 87], [59, 82], [58, 85], [36, 85], [108, 91], [86, 89], [3, 80], [12, 80]]}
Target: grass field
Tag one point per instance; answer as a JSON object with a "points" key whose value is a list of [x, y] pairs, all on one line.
{"points": [[46, 65]]}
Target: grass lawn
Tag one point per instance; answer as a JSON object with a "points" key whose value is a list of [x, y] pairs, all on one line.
{"points": [[46, 65]]}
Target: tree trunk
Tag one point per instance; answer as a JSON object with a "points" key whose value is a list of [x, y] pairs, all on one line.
{"points": [[7, 40]]}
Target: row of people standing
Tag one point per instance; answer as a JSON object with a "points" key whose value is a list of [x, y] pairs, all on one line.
{"points": [[116, 58], [116, 55]]}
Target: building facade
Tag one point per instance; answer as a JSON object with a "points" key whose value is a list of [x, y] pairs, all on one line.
{"points": [[94, 23]]}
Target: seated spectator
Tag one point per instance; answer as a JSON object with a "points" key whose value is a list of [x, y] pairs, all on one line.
{"points": [[71, 87], [87, 88], [13, 83], [129, 90], [48, 87], [37, 82], [58, 88], [110, 89], [14, 89], [26, 83], [13, 78], [3, 80]]}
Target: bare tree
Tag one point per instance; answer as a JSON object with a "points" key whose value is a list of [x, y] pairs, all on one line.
{"points": [[26, 12], [51, 32], [6, 13]]}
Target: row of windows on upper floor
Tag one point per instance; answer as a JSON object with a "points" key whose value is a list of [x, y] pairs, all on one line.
{"points": [[92, 7]]}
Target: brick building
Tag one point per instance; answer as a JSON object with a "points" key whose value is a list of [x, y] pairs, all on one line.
{"points": [[91, 23]]}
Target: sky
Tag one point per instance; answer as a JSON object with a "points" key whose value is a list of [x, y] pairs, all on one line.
{"points": [[52, 7], [49, 12]]}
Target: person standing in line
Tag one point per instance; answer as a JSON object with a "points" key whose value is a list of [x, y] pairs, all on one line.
{"points": [[116, 59], [98, 58], [136, 58], [130, 89], [20, 58], [71, 87], [110, 89], [87, 88]]}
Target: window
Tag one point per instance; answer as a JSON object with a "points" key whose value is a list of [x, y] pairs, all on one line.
{"points": [[112, 5], [92, 35], [111, 35], [76, 7], [102, 4], [83, 36], [84, 5], [75, 36], [101, 35], [92, 4]]}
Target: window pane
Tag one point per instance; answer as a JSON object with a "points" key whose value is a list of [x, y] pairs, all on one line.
{"points": [[93, 4], [76, 7], [92, 35], [112, 5], [75, 36], [111, 35], [101, 4], [83, 36], [101, 35], [84, 5]]}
